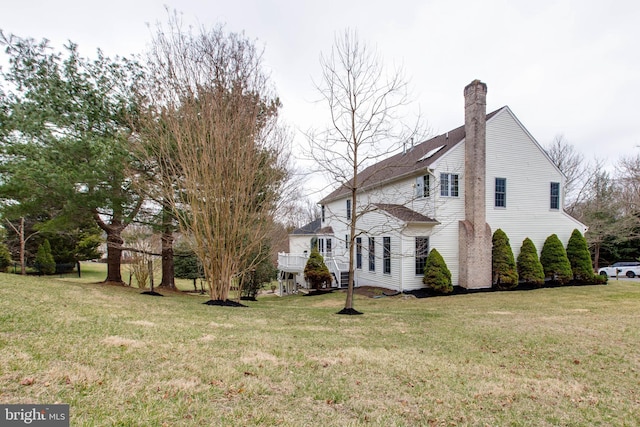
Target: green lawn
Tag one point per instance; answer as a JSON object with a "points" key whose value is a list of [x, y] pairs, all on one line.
{"points": [[97, 272], [565, 356]]}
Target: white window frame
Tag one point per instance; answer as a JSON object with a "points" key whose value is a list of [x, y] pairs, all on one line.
{"points": [[449, 184]]}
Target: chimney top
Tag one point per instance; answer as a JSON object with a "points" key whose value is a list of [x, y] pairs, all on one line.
{"points": [[474, 86]]}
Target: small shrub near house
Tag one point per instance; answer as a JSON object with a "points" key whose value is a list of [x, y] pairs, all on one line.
{"points": [[437, 276], [503, 265], [44, 260], [530, 269], [554, 261], [579, 257], [316, 272], [5, 258]]}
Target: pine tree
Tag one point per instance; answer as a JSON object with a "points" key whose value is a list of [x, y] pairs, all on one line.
{"points": [[436, 273], [529, 267], [503, 265], [579, 257], [554, 260], [316, 272]]}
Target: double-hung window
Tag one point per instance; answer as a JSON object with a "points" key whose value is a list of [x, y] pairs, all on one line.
{"points": [[348, 209], [554, 202], [501, 193], [359, 252], [449, 184], [386, 255], [422, 250], [372, 254]]}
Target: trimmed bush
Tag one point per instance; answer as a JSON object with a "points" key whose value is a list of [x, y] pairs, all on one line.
{"points": [[436, 273], [5, 258], [579, 257], [44, 260], [503, 266], [316, 272], [530, 269], [554, 260]]}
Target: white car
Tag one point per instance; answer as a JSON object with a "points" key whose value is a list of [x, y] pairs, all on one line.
{"points": [[630, 269]]}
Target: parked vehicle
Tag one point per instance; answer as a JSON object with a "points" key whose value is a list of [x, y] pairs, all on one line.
{"points": [[630, 269]]}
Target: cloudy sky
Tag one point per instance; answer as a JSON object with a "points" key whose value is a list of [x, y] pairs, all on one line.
{"points": [[563, 66]]}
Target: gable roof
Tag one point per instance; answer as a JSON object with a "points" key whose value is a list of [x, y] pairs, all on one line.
{"points": [[312, 228], [418, 158], [405, 214]]}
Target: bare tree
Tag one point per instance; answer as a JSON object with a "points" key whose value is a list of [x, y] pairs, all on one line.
{"points": [[212, 117], [19, 230], [599, 210], [572, 164], [628, 177], [364, 104]]}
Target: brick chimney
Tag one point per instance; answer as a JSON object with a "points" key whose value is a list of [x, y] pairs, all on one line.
{"points": [[474, 232]]}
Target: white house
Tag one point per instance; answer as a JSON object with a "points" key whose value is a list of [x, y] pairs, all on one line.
{"points": [[449, 192]]}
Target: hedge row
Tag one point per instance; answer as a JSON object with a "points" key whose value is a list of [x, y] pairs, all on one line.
{"points": [[556, 264]]}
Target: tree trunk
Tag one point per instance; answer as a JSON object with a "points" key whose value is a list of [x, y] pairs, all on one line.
{"points": [[23, 267], [114, 255], [168, 272], [168, 280]]}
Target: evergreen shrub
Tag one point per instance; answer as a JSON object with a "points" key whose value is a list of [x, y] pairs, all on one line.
{"points": [[579, 257], [436, 273], [530, 269], [5, 258], [503, 266], [316, 272], [554, 260], [44, 259]]}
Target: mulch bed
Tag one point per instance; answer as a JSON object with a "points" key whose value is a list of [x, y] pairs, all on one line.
{"points": [[152, 293], [225, 303]]}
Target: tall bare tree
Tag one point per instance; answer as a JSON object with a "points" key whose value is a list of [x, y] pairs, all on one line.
{"points": [[628, 176], [211, 120], [572, 164], [364, 103]]}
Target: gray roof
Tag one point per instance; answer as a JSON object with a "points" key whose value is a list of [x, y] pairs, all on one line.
{"points": [[312, 228], [405, 214], [404, 164]]}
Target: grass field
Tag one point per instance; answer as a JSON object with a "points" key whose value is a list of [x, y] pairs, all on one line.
{"points": [[565, 356]]}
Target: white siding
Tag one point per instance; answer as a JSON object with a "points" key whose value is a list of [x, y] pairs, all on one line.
{"points": [[512, 153], [299, 244], [449, 210]]}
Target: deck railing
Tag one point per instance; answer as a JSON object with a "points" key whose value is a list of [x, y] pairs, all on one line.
{"points": [[292, 262]]}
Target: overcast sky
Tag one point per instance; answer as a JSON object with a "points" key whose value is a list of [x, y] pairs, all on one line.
{"points": [[563, 67]]}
